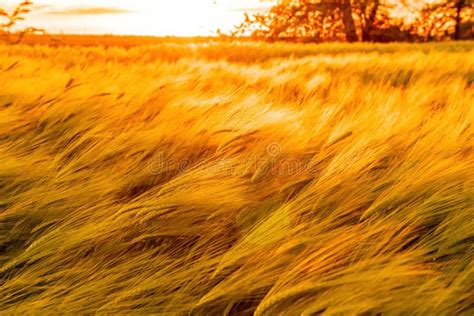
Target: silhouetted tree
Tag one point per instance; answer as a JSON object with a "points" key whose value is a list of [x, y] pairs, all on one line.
{"points": [[460, 6], [365, 20], [445, 19], [349, 20], [367, 12], [304, 19]]}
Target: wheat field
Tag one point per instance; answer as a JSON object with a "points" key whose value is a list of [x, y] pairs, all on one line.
{"points": [[237, 179]]}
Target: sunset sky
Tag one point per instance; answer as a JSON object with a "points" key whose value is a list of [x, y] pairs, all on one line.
{"points": [[140, 17]]}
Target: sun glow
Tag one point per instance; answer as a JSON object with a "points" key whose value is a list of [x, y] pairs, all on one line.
{"points": [[144, 17], [177, 17]]}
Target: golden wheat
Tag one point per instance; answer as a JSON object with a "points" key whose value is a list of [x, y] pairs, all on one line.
{"points": [[237, 179]]}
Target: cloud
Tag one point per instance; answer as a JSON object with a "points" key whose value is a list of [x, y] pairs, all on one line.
{"points": [[90, 11], [258, 9], [41, 7]]}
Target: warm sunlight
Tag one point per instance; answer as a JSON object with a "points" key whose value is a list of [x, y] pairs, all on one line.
{"points": [[236, 157], [144, 17], [158, 17]]}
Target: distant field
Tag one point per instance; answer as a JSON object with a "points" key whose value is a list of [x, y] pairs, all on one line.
{"points": [[213, 179], [107, 40]]}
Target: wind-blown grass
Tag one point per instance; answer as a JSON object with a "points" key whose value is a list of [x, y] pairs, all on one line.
{"points": [[197, 179]]}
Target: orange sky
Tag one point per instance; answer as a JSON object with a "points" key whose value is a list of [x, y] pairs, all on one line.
{"points": [[140, 17]]}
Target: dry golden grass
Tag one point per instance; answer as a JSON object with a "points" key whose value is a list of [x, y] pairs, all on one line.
{"points": [[237, 179]]}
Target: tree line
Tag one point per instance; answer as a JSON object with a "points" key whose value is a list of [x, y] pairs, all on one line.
{"points": [[361, 20]]}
